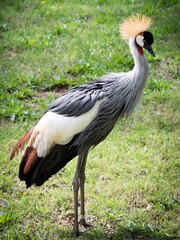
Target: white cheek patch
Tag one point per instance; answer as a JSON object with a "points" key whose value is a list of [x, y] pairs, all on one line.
{"points": [[139, 40]]}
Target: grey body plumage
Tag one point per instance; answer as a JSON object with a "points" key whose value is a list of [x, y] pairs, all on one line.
{"points": [[120, 91]]}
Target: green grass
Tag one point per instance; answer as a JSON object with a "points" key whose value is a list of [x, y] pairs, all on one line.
{"points": [[132, 177]]}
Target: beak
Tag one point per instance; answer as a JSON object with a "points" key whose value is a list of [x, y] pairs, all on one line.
{"points": [[149, 48]]}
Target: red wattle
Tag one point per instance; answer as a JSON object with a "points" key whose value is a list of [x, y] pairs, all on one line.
{"points": [[140, 50]]}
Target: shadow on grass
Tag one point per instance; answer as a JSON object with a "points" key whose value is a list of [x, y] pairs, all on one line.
{"points": [[122, 233], [126, 234]]}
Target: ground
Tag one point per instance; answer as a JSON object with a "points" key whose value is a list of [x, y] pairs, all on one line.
{"points": [[132, 189]]}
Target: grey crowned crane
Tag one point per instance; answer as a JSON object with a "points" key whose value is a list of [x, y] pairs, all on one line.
{"points": [[84, 116]]}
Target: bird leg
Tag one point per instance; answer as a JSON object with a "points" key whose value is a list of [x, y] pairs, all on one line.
{"points": [[78, 182], [82, 220]]}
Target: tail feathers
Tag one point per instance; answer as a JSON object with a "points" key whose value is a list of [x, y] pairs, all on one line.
{"points": [[28, 161], [21, 143], [36, 170]]}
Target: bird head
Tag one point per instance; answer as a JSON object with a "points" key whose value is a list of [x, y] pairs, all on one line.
{"points": [[145, 40], [135, 27]]}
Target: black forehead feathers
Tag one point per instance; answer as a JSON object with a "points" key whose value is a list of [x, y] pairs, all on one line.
{"points": [[148, 37]]}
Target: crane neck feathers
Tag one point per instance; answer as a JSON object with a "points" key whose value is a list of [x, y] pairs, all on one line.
{"points": [[140, 62]]}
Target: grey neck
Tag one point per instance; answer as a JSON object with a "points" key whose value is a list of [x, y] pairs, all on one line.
{"points": [[140, 70]]}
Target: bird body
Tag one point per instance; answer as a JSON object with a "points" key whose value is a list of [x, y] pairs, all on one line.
{"points": [[84, 116]]}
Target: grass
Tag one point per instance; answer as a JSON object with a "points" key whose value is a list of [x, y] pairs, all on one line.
{"points": [[132, 177]]}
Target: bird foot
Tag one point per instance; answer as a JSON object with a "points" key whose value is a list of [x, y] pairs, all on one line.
{"points": [[86, 225]]}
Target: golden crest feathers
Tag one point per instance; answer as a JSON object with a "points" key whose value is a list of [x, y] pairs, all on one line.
{"points": [[134, 25]]}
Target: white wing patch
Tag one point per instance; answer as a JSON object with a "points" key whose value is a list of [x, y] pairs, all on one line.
{"points": [[54, 129]]}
